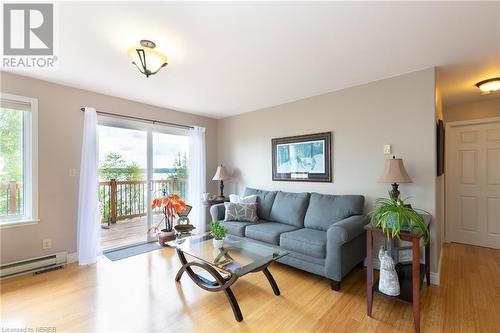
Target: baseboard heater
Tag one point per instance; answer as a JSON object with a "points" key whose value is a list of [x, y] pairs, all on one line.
{"points": [[34, 265]]}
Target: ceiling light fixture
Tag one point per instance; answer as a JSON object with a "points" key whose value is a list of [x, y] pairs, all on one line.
{"points": [[146, 58], [489, 86]]}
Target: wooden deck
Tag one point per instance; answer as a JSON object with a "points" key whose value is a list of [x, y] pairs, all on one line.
{"points": [[124, 233]]}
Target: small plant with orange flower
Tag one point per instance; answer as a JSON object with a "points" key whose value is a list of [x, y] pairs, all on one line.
{"points": [[171, 206]]}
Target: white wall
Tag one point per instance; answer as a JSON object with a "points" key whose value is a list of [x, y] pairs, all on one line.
{"points": [[398, 111]]}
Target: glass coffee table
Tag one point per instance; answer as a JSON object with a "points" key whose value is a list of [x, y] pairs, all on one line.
{"points": [[216, 269]]}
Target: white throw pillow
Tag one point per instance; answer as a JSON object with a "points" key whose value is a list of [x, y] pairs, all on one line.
{"points": [[234, 198]]}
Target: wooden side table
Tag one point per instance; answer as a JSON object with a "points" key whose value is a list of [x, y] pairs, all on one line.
{"points": [[411, 276], [210, 203]]}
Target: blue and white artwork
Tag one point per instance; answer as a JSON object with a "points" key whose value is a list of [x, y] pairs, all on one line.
{"points": [[301, 157]]}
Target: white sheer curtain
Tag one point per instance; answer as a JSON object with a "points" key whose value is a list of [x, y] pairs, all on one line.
{"points": [[197, 177], [88, 200]]}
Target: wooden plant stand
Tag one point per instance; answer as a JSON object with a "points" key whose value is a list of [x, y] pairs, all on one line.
{"points": [[412, 275]]}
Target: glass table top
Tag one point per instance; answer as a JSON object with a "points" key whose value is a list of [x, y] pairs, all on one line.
{"points": [[237, 256]]}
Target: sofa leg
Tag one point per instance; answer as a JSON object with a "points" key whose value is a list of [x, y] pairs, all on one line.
{"points": [[335, 285]]}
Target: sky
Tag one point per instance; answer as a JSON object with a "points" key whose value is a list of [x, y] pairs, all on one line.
{"points": [[131, 144]]}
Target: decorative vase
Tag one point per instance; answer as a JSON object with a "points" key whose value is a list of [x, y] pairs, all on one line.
{"points": [[165, 236], [388, 281], [218, 243]]}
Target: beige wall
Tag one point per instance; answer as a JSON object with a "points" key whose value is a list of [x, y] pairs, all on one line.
{"points": [[60, 135], [398, 111], [486, 108]]}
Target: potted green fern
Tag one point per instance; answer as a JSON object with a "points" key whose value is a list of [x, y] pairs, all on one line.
{"points": [[218, 232], [393, 215]]}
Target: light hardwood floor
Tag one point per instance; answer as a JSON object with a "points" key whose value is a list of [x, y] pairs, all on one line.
{"points": [[139, 294]]}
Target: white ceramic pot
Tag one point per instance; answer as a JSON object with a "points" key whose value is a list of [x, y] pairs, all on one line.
{"points": [[218, 243]]}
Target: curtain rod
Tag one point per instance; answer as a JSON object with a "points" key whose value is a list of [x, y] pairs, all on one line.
{"points": [[140, 119]]}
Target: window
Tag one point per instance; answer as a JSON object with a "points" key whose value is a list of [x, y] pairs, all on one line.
{"points": [[18, 160]]}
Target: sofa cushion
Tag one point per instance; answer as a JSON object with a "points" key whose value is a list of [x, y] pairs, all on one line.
{"points": [[268, 232], [235, 228], [240, 212], [324, 209], [310, 242], [265, 201], [290, 208]]}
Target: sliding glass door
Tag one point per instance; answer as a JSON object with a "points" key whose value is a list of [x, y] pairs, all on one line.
{"points": [[123, 185], [169, 165], [137, 162]]}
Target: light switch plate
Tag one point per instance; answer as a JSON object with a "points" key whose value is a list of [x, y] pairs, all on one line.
{"points": [[387, 149], [72, 172]]}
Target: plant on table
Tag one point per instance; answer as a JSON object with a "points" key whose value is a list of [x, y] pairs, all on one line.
{"points": [[171, 205], [393, 215], [217, 230]]}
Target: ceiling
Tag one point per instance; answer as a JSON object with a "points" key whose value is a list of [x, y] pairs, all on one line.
{"points": [[229, 58]]}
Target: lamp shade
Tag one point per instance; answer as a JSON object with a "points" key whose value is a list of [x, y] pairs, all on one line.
{"points": [[148, 60], [221, 173], [395, 172]]}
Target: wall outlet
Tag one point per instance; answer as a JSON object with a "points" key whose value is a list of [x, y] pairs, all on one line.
{"points": [[387, 149], [72, 172], [46, 243]]}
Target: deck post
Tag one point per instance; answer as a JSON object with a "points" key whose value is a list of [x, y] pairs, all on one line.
{"points": [[112, 201], [175, 186]]}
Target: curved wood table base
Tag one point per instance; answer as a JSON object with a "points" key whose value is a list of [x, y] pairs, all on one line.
{"points": [[221, 283], [272, 282]]}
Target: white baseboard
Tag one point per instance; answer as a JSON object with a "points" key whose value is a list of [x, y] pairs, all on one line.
{"points": [[72, 257], [435, 278]]}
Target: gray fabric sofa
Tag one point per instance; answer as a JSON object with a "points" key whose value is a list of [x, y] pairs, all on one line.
{"points": [[323, 233]]}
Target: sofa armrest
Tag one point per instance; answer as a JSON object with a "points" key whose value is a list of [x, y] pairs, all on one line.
{"points": [[346, 230], [345, 247], [218, 212]]}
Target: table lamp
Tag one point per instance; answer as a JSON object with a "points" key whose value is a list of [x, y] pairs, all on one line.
{"points": [[221, 175], [395, 173]]}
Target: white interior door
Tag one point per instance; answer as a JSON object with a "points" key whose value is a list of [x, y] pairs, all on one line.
{"points": [[473, 182]]}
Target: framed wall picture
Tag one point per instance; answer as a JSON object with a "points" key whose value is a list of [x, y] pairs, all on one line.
{"points": [[440, 147], [305, 158]]}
